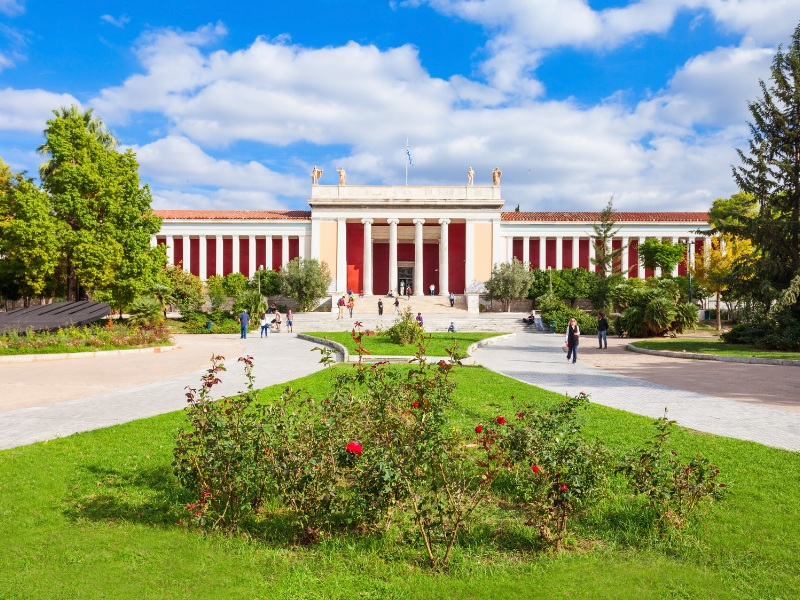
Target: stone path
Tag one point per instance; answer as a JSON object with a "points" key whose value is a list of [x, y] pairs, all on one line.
{"points": [[46, 400], [539, 360]]}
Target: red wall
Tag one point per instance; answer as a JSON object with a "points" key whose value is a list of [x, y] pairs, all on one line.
{"points": [[534, 249], [261, 253], [550, 254], [211, 256], [355, 256], [457, 255], [516, 246], [277, 253], [380, 268], [633, 258], [294, 248], [583, 254], [194, 258], [227, 256], [616, 266], [430, 268], [177, 244], [566, 256]]}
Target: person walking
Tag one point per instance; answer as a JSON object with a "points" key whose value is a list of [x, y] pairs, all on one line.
{"points": [[289, 321], [340, 305], [433, 289], [380, 307], [408, 292], [571, 338], [351, 303], [244, 321], [602, 329], [397, 306], [419, 319], [264, 323], [277, 321], [452, 299]]}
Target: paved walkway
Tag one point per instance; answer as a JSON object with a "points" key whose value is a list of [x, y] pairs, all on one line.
{"points": [[737, 400], [46, 400]]}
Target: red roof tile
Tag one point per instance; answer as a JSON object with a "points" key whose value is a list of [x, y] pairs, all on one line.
{"points": [[235, 215], [619, 217]]}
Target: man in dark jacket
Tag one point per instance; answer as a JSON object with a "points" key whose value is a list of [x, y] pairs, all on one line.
{"points": [[602, 328]]}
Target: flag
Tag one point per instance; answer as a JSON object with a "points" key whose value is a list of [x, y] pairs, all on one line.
{"points": [[408, 153]]}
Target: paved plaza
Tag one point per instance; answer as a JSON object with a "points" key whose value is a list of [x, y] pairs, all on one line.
{"points": [[50, 399]]}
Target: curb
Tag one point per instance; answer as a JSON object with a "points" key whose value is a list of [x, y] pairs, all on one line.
{"points": [[394, 359], [21, 358], [732, 359]]}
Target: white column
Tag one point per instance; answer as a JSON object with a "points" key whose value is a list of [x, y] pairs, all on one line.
{"points": [[509, 249], [268, 253], [559, 253], [203, 258], [393, 254], [418, 260], [639, 257], [285, 252], [367, 256], [341, 254], [170, 242], [690, 253], [187, 254], [592, 254], [469, 254], [301, 246], [153, 241], [658, 269], [236, 266], [526, 251], [625, 262], [219, 254], [543, 253], [675, 270], [444, 257], [251, 256], [576, 252]]}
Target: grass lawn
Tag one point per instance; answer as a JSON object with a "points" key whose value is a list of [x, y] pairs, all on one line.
{"points": [[94, 515], [65, 349], [714, 346], [382, 346]]}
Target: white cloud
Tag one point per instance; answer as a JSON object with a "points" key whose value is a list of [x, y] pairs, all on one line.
{"points": [[12, 8], [119, 22], [28, 110]]}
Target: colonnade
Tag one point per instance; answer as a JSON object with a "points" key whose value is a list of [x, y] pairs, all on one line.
{"points": [[267, 262]]}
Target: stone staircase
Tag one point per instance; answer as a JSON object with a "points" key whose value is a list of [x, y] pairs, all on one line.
{"points": [[436, 313]]}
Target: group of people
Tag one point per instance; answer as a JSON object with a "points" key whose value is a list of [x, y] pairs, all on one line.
{"points": [[573, 334], [349, 304], [265, 323]]}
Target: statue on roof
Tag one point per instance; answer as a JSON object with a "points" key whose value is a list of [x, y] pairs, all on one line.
{"points": [[342, 176], [315, 175], [470, 176], [496, 174]]}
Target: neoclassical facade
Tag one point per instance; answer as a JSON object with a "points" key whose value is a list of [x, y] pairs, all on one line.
{"points": [[381, 238]]}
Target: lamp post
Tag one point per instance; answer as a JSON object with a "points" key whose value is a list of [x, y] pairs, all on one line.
{"points": [[550, 271], [260, 268]]}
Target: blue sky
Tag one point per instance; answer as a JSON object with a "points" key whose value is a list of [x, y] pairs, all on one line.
{"points": [[574, 100]]}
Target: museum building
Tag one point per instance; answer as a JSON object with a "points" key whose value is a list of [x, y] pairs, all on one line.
{"points": [[380, 238]]}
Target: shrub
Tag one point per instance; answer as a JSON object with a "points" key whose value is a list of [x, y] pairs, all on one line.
{"points": [[146, 312], [553, 309], [405, 330]]}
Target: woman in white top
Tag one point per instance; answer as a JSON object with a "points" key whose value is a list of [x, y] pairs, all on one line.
{"points": [[571, 338], [264, 325]]}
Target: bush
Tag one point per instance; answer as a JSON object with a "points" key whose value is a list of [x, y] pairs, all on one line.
{"points": [[653, 309], [405, 330], [553, 309], [146, 312]]}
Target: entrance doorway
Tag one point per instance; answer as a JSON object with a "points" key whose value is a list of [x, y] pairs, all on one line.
{"points": [[405, 278]]}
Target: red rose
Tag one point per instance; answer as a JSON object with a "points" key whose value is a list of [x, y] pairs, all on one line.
{"points": [[501, 420], [415, 404], [535, 468], [520, 415], [354, 447], [479, 429], [563, 487]]}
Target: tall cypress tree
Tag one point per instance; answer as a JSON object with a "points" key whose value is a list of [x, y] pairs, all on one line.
{"points": [[770, 171]]}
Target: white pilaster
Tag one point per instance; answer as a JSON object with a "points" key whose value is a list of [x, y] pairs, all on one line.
{"points": [[268, 253], [301, 246], [543, 253], [642, 274], [285, 253], [559, 253], [592, 254], [418, 257], [469, 254], [625, 262], [509, 249], [367, 256], [251, 256], [526, 251], [341, 254], [236, 267], [203, 258], [675, 270], [444, 257], [393, 254], [576, 252], [691, 252], [219, 254], [170, 250], [187, 254]]}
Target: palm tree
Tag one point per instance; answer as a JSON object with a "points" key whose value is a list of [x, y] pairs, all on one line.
{"points": [[94, 125]]}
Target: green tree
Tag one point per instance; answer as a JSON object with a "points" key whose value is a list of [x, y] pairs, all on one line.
{"points": [[186, 290], [770, 173], [235, 284], [215, 288], [661, 254], [29, 235], [267, 281], [305, 280], [96, 192], [605, 255], [576, 284], [509, 281]]}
